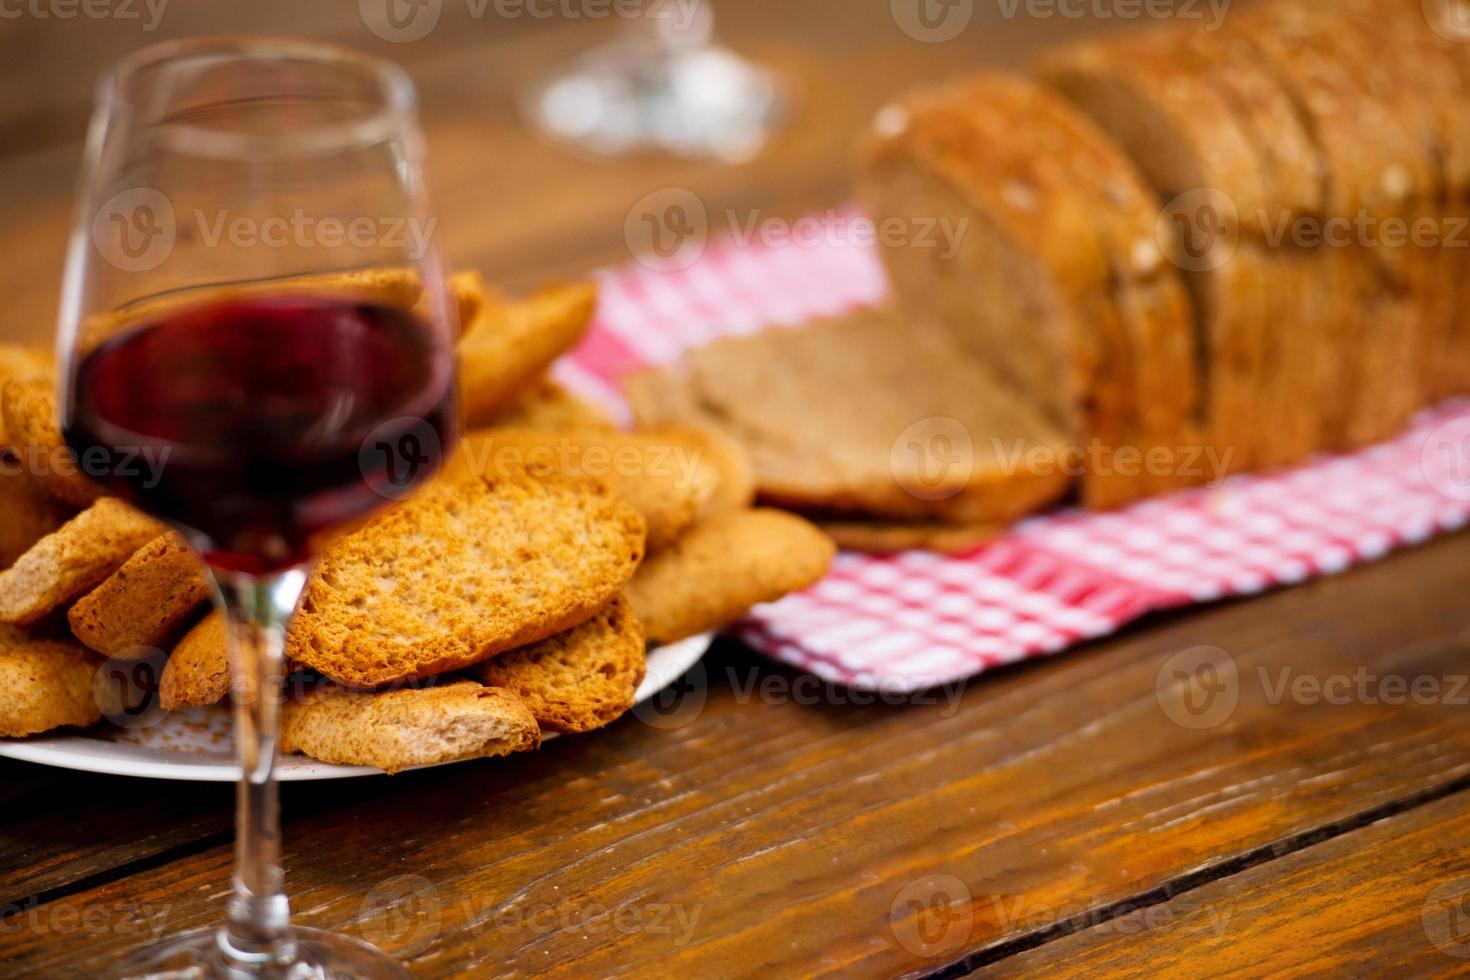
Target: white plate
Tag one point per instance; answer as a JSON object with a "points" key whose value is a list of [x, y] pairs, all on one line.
{"points": [[195, 745]]}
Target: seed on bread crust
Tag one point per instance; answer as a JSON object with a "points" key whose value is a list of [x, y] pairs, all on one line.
{"points": [[716, 572], [73, 560], [579, 679], [144, 603], [44, 684], [395, 730], [472, 566]]}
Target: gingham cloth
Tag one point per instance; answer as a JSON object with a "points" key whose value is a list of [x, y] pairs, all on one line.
{"points": [[909, 621]]}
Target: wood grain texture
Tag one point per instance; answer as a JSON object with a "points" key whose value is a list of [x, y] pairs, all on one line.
{"points": [[806, 838], [1388, 899]]}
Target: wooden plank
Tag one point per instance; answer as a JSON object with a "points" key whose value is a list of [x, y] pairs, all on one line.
{"points": [[1387, 899], [799, 838]]}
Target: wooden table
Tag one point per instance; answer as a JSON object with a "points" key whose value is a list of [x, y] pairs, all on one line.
{"points": [[1056, 816]]}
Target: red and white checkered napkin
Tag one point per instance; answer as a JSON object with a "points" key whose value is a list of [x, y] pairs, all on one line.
{"points": [[905, 622]]}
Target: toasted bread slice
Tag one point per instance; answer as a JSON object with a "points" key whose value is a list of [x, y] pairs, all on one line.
{"points": [[548, 405], [19, 362], [578, 680], [473, 566], [508, 347], [72, 560], [44, 684], [662, 474], [843, 416], [716, 572], [197, 673], [29, 411], [396, 730], [145, 604], [29, 513], [881, 537]]}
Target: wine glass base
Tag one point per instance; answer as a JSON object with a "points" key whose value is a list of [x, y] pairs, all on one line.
{"points": [[633, 95], [320, 955]]}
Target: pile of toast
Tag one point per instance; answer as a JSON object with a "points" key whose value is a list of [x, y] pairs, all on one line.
{"points": [[513, 595], [1179, 253]]}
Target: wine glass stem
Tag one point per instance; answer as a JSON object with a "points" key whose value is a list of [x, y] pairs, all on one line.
{"points": [[257, 934]]}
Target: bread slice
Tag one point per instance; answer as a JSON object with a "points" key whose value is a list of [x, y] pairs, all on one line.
{"points": [[508, 348], [197, 673], [716, 572], [548, 405], [29, 411], [881, 537], [470, 567], [143, 606], [1060, 238], [20, 362], [1185, 137], [44, 684], [662, 474], [578, 680], [1376, 164], [72, 560], [396, 730], [657, 396], [1159, 367], [895, 420], [29, 513]]}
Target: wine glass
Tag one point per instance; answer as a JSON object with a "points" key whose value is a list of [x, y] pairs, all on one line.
{"points": [[256, 338], [664, 86]]}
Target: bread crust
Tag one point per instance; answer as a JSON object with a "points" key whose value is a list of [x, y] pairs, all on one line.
{"points": [[578, 680]]}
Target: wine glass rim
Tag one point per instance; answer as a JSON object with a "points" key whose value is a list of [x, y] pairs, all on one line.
{"points": [[383, 123]]}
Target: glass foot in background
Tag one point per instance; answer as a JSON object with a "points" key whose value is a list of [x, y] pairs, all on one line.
{"points": [[319, 956], [665, 90]]}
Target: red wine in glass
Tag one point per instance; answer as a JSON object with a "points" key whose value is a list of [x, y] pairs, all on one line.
{"points": [[257, 423]]}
